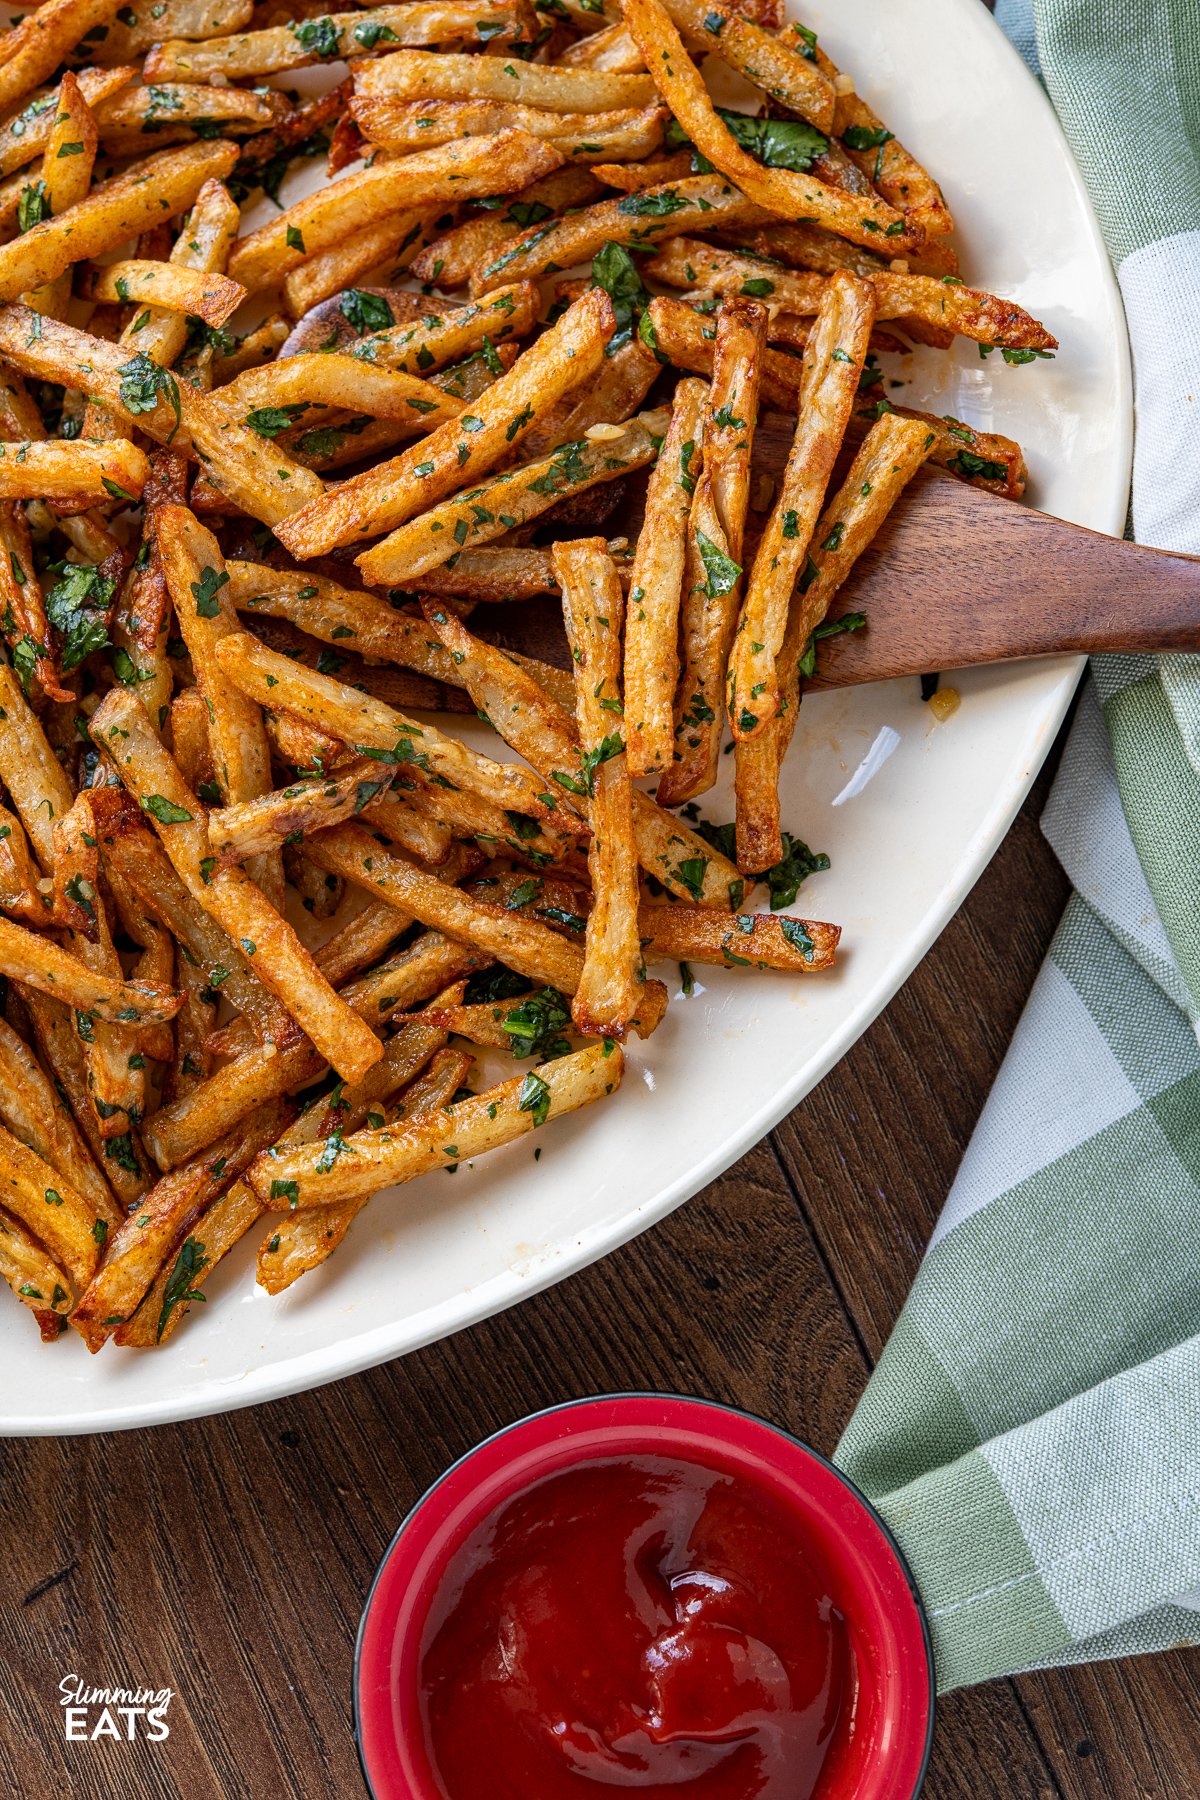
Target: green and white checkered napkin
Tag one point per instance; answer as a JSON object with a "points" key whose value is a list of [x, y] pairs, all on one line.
{"points": [[1032, 1432]]}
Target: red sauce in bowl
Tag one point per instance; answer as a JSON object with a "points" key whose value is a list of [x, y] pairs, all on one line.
{"points": [[644, 1623]]}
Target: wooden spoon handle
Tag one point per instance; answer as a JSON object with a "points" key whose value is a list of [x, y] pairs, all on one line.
{"points": [[958, 576]]}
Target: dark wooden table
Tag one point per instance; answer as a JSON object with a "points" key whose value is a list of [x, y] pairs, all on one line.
{"points": [[229, 1559]]}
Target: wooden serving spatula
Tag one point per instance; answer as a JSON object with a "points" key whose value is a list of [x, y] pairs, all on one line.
{"points": [[959, 576]]}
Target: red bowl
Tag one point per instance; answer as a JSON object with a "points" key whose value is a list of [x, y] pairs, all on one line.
{"points": [[883, 1756]]}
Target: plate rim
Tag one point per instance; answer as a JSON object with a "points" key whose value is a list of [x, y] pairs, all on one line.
{"points": [[322, 1367]]}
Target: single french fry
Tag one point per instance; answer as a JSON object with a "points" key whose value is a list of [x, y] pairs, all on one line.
{"points": [[407, 125], [67, 163], [656, 584], [888, 458], [696, 934], [252, 827], [33, 1275], [40, 42], [112, 213], [137, 115], [19, 875], [41, 964], [26, 628], [25, 136], [833, 364], [137, 1248], [636, 220], [395, 239], [170, 285], [464, 448], [713, 569], [61, 1050], [45, 1202], [455, 256], [331, 379], [504, 501], [611, 50], [79, 471], [255, 473], [542, 731], [305, 41], [882, 158], [227, 893], [373, 728], [29, 769], [130, 37], [450, 172], [423, 75], [255, 348], [406, 826], [374, 1159], [502, 573], [307, 1237], [981, 458], [780, 69], [614, 973], [34, 1114]]}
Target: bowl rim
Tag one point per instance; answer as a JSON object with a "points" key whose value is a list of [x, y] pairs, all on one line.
{"points": [[670, 1397]]}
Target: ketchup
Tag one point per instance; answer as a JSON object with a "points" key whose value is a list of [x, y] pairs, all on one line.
{"points": [[646, 1623]]}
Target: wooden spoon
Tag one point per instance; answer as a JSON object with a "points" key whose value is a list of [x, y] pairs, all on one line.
{"points": [[959, 576]]}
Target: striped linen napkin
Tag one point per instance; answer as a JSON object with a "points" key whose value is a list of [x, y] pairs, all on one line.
{"points": [[1032, 1431]]}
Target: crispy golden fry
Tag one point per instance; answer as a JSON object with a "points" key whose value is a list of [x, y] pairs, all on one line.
{"points": [[889, 457], [686, 262], [832, 366], [308, 1236], [126, 41], [136, 1250], [687, 339], [112, 213], [614, 974], [497, 573], [227, 893], [451, 172], [26, 628], [461, 449], [61, 1050], [34, 1277], [40, 42], [254, 472], [784, 73], [373, 1159], [170, 285], [696, 934], [392, 816], [19, 875], [36, 1116], [631, 178], [372, 727], [299, 382], [453, 258], [506, 500], [403, 126], [80, 472], [41, 964], [713, 568], [396, 239], [251, 827], [636, 220], [613, 395], [541, 730], [26, 135], [656, 584], [29, 769], [44, 1201], [981, 458], [67, 163], [138, 115], [422, 75], [357, 34]]}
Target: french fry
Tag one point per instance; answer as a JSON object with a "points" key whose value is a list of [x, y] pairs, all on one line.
{"points": [[882, 158], [25, 627], [137, 115], [256, 474], [45, 1202], [255, 348], [80, 472], [280, 960], [422, 75], [887, 460], [631, 178], [504, 501], [331, 379], [19, 875], [61, 1050], [35, 1116], [620, 385], [374, 728], [685, 262], [427, 839], [111, 213], [40, 42], [306, 1238], [374, 1159], [696, 934], [441, 338], [137, 1248], [716, 526], [614, 974], [25, 136], [832, 366], [170, 285], [33, 775], [397, 238], [66, 177], [125, 41], [34, 1277], [454, 256], [257, 826], [686, 338], [461, 449], [656, 583], [499, 573], [636, 220], [306, 41], [451, 172], [980, 458], [541, 730], [764, 59], [41, 964], [406, 125]]}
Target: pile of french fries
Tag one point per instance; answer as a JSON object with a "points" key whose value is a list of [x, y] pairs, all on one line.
{"points": [[261, 914]]}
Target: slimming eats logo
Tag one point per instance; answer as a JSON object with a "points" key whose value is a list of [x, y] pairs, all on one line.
{"points": [[91, 1713]]}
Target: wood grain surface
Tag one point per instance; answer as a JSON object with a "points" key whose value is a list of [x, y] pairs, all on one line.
{"points": [[229, 1559]]}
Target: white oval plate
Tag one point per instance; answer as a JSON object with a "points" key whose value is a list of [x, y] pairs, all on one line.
{"points": [[728, 1063]]}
